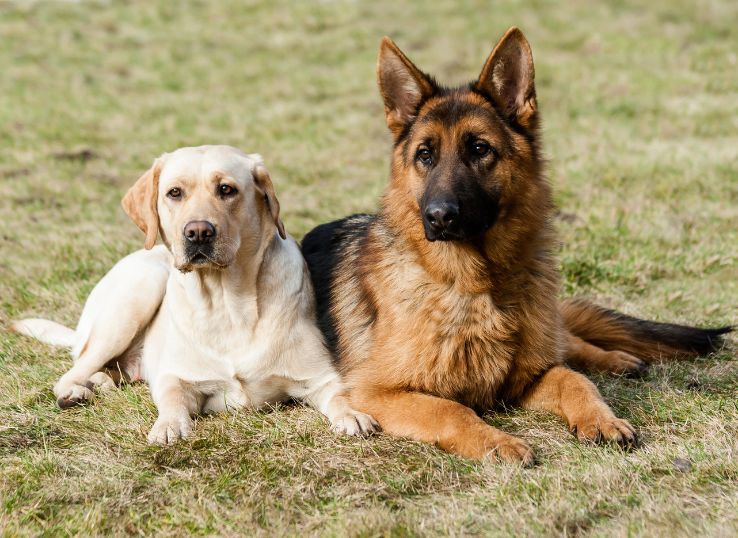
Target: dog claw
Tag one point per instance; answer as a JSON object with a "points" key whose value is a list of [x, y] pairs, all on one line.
{"points": [[169, 430], [622, 363], [355, 423], [614, 430], [77, 395], [512, 450]]}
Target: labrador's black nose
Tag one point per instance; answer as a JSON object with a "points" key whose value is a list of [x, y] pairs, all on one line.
{"points": [[199, 231]]}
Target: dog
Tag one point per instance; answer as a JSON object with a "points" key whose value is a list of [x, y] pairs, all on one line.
{"points": [[220, 317], [445, 303]]}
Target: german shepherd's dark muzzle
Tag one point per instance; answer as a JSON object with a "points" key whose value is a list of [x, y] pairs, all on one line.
{"points": [[456, 207]]}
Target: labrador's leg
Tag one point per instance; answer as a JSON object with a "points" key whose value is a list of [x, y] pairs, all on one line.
{"points": [[330, 398], [118, 309], [76, 386], [448, 424], [318, 384], [113, 375], [574, 398], [102, 381], [176, 401]]}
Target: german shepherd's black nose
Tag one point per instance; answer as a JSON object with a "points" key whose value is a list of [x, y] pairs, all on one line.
{"points": [[199, 232], [441, 217]]}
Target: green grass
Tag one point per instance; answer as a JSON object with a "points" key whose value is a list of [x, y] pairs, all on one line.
{"points": [[640, 108]]}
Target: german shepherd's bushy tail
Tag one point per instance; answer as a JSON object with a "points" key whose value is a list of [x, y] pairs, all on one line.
{"points": [[647, 340]]}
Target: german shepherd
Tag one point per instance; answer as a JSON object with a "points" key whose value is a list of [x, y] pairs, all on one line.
{"points": [[445, 303]]}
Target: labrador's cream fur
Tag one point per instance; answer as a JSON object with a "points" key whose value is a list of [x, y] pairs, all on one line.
{"points": [[231, 328]]}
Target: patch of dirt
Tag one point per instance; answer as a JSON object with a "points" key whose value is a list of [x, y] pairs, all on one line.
{"points": [[82, 154]]}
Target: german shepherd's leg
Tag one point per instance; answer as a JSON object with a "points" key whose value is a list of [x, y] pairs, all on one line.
{"points": [[448, 424], [573, 397], [590, 358]]}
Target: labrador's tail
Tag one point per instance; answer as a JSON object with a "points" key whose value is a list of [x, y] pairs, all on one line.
{"points": [[49, 332]]}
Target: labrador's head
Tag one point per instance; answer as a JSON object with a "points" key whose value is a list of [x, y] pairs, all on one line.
{"points": [[208, 203]]}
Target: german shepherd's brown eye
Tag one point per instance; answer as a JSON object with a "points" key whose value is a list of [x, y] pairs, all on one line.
{"points": [[425, 156], [481, 148], [175, 193], [226, 190]]}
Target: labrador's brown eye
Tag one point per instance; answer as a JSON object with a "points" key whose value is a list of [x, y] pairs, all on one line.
{"points": [[226, 190], [175, 193]]}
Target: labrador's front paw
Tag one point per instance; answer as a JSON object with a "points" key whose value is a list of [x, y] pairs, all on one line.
{"points": [[169, 430], [355, 423]]}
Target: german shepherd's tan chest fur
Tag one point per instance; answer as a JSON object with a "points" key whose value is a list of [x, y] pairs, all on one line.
{"points": [[416, 333], [443, 341]]}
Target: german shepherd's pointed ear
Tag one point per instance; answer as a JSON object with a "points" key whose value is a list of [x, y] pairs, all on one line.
{"points": [[264, 183], [402, 85], [139, 203], [507, 78]]}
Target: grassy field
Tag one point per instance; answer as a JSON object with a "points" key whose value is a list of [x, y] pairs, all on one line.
{"points": [[640, 108]]}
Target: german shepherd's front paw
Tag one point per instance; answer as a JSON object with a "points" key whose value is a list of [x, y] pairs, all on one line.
{"points": [[596, 429], [510, 449]]}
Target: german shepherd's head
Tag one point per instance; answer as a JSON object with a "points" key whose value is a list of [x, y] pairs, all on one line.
{"points": [[466, 161]]}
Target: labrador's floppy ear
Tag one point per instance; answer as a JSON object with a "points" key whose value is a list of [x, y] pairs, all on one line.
{"points": [[508, 78], [264, 183], [139, 203], [402, 85]]}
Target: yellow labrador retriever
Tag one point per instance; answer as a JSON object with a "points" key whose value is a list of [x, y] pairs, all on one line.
{"points": [[221, 316]]}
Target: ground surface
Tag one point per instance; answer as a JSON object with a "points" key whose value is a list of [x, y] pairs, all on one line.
{"points": [[641, 128]]}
